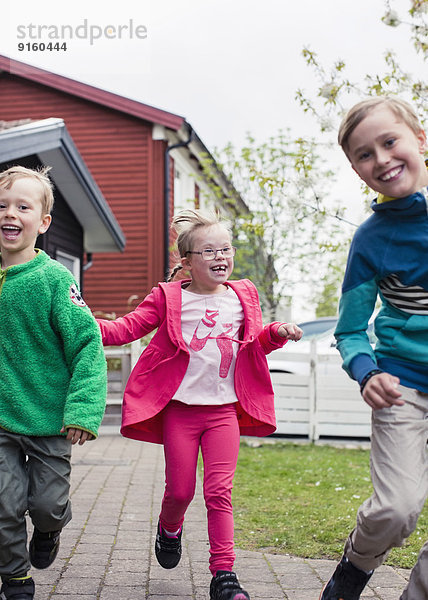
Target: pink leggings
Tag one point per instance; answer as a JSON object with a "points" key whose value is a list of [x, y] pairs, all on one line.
{"points": [[215, 429]]}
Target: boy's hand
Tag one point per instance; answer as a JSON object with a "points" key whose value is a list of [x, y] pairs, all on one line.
{"points": [[290, 331], [381, 391], [77, 435]]}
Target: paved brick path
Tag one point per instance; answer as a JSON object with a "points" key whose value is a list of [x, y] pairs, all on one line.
{"points": [[107, 549]]}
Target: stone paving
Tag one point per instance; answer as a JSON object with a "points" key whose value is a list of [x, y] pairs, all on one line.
{"points": [[107, 549]]}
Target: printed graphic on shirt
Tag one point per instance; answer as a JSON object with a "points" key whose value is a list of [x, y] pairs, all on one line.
{"points": [[217, 324], [76, 296]]}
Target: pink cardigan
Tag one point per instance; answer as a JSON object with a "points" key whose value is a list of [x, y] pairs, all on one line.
{"points": [[161, 367]]}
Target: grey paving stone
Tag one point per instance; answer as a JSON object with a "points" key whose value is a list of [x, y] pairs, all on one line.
{"points": [[169, 588], [129, 593], [79, 585], [124, 579]]}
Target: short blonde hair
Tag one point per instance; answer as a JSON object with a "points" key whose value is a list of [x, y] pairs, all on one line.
{"points": [[185, 224], [8, 177], [359, 111]]}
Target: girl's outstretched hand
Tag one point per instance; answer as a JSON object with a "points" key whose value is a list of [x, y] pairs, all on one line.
{"points": [[290, 331]]}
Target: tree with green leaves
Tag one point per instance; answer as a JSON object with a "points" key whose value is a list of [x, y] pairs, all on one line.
{"points": [[335, 89], [281, 239], [336, 92]]}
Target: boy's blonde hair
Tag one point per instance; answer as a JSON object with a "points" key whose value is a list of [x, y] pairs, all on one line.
{"points": [[402, 109], [185, 224], [8, 177]]}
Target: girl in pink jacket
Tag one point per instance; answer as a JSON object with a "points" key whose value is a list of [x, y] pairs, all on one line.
{"points": [[202, 381]]}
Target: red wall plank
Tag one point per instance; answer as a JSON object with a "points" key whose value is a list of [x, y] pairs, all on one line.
{"points": [[128, 168]]}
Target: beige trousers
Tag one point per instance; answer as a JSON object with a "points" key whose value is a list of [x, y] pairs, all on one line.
{"points": [[399, 471]]}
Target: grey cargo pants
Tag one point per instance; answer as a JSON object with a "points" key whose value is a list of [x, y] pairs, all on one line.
{"points": [[34, 477]]}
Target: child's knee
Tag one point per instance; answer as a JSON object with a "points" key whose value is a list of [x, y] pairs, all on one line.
{"points": [[181, 497], [219, 501], [398, 517], [405, 516], [221, 493], [15, 510], [49, 514]]}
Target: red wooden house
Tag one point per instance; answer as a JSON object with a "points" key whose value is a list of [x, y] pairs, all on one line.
{"points": [[145, 161]]}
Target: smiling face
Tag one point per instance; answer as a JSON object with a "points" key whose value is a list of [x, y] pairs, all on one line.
{"points": [[21, 220], [387, 154], [208, 276]]}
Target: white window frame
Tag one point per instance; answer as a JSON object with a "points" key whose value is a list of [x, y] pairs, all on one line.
{"points": [[66, 260]]}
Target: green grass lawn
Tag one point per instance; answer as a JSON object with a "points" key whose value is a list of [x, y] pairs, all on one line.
{"points": [[302, 499]]}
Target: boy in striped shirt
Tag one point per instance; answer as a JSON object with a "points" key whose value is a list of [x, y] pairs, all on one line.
{"points": [[386, 146]]}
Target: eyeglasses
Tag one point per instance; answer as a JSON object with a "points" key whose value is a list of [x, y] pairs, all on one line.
{"points": [[211, 254]]}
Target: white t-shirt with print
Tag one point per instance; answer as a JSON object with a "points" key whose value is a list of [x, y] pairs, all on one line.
{"points": [[209, 325]]}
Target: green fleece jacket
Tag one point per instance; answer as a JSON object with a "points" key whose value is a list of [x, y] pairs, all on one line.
{"points": [[52, 363]]}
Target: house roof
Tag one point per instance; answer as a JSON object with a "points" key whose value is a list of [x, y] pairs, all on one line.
{"points": [[51, 142], [176, 124], [88, 92]]}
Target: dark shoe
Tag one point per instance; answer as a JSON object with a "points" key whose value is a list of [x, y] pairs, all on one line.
{"points": [[225, 586], [17, 589], [44, 548], [167, 549], [347, 582]]}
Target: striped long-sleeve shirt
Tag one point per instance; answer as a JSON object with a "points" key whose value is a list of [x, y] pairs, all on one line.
{"points": [[389, 257]]}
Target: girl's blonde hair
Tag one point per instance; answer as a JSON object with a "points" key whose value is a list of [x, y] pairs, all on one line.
{"points": [[357, 113], [8, 178], [185, 224]]}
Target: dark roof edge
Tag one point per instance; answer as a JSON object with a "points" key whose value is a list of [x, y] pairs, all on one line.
{"points": [[89, 92], [94, 193], [51, 134]]}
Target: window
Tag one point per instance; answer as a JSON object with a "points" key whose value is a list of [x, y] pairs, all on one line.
{"points": [[71, 262], [178, 191]]}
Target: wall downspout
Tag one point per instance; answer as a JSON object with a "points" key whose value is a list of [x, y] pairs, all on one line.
{"points": [[167, 187]]}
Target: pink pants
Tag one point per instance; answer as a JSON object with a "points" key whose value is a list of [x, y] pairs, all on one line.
{"points": [[215, 429]]}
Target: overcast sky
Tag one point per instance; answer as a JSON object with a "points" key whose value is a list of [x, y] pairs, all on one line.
{"points": [[227, 66]]}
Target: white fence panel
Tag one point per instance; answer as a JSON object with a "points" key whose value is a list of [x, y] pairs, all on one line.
{"points": [[326, 402], [292, 403], [340, 409]]}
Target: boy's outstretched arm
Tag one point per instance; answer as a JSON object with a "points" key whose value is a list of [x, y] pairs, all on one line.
{"points": [[381, 391]]}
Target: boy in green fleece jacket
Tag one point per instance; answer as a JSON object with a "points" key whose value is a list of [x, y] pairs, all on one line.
{"points": [[52, 382]]}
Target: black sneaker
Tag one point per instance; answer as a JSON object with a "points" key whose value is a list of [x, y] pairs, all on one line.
{"points": [[168, 549], [17, 589], [346, 583], [44, 548], [225, 586]]}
